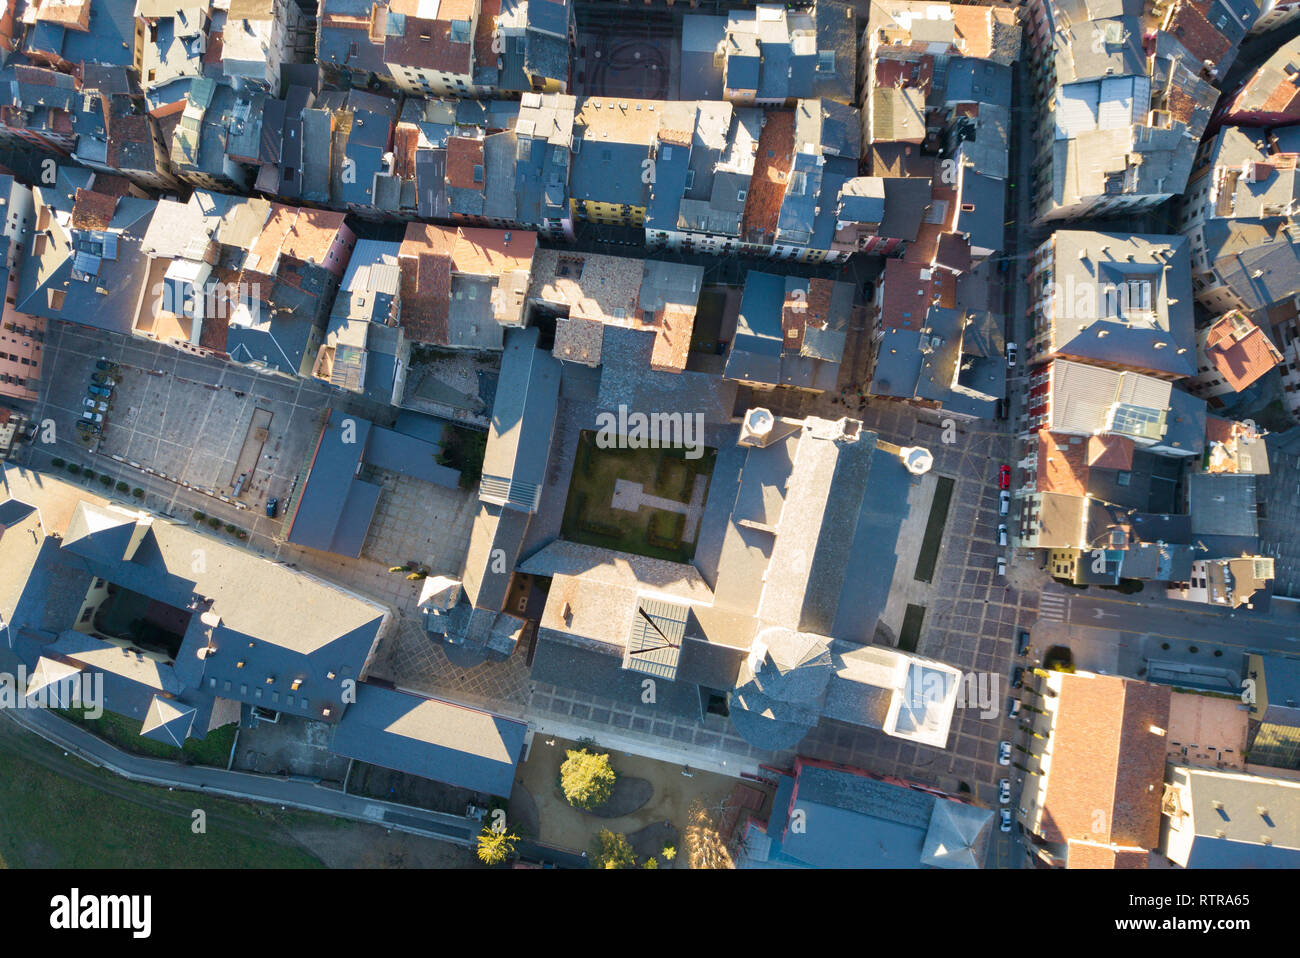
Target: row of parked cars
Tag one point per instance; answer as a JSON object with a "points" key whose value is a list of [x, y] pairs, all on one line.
{"points": [[1013, 712], [99, 394]]}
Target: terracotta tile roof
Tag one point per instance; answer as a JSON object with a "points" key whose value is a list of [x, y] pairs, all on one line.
{"points": [[906, 298], [293, 236], [1218, 429], [1190, 27], [1062, 465], [1086, 854], [212, 335], [463, 156], [973, 25], [1106, 776], [405, 140], [429, 255], [427, 43], [771, 170], [673, 326], [216, 43], [905, 73], [489, 10], [92, 210], [1240, 351], [1110, 452], [426, 296], [311, 234], [922, 250], [73, 16], [900, 159], [114, 185], [1284, 98], [487, 252]]}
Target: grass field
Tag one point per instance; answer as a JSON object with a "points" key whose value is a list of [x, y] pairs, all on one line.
{"points": [[214, 750], [58, 812], [589, 516]]}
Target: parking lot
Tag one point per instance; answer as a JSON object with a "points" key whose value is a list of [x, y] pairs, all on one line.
{"points": [[183, 421]]}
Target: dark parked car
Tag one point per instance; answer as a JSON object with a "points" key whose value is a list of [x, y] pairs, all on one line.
{"points": [[1022, 642], [1018, 677], [272, 505], [103, 392]]}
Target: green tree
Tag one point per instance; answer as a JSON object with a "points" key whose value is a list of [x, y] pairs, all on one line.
{"points": [[612, 850], [587, 778], [495, 847], [651, 862]]}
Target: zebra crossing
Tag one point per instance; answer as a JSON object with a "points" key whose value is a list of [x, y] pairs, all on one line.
{"points": [[1053, 607]]}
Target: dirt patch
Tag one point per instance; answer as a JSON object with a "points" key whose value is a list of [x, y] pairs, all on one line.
{"points": [[368, 846], [650, 841], [522, 813], [563, 826]]}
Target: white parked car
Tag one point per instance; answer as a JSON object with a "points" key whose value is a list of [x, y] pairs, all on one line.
{"points": [[1002, 533], [1004, 791], [1004, 753], [94, 417], [1002, 566], [1011, 354], [1004, 502], [1006, 819]]}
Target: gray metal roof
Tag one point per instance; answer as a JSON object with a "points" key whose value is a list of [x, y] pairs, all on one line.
{"points": [[448, 743]]}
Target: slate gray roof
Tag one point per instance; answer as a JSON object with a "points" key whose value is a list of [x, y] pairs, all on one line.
{"points": [[864, 822], [257, 632], [448, 743], [1222, 504], [1232, 815], [335, 508], [523, 418]]}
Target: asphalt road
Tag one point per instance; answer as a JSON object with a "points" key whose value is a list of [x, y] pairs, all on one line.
{"points": [[1277, 632]]}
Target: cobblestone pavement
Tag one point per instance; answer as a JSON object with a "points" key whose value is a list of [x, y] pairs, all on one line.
{"points": [[417, 521]]}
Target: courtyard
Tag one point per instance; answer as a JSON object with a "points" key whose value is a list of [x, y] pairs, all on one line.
{"points": [[639, 500]]}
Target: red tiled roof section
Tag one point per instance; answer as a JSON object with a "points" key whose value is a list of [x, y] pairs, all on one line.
{"points": [[464, 157], [114, 185], [483, 32], [1241, 353], [405, 140], [212, 335], [92, 210], [73, 16], [1062, 465], [212, 53], [1189, 25], [1085, 854], [311, 234], [1218, 429], [1106, 776], [427, 44], [1110, 452], [290, 234], [673, 326], [906, 297], [424, 261], [771, 171]]}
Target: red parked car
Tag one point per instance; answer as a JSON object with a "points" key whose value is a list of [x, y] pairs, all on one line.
{"points": [[1004, 476]]}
